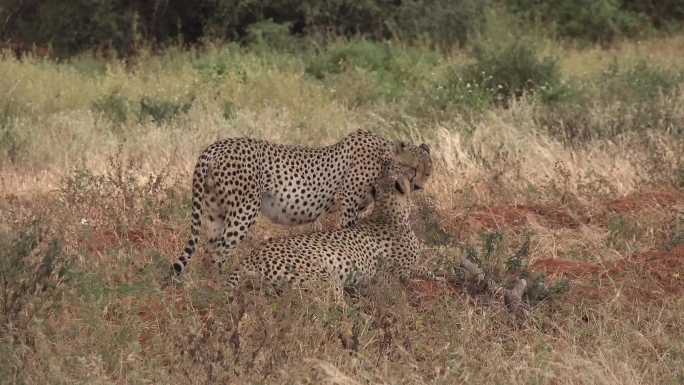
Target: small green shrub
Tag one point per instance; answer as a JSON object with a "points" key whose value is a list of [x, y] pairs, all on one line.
{"points": [[591, 20], [356, 54], [455, 90], [121, 189], [12, 144], [501, 269], [511, 70], [269, 35], [89, 64], [213, 70], [638, 83], [114, 107], [539, 290], [635, 98], [442, 22], [622, 231], [229, 110], [216, 63], [595, 20], [162, 111], [662, 13], [27, 267], [83, 188], [375, 70], [499, 73]]}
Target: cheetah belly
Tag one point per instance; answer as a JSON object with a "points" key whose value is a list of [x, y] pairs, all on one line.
{"points": [[288, 212]]}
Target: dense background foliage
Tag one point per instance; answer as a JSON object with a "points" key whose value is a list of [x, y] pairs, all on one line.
{"points": [[72, 26]]}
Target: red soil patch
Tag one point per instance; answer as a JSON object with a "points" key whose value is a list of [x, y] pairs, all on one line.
{"points": [[638, 201], [519, 215], [647, 275], [563, 268], [422, 292], [101, 240], [555, 217]]}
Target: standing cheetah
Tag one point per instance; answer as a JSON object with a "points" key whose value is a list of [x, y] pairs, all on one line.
{"points": [[347, 256], [237, 178]]}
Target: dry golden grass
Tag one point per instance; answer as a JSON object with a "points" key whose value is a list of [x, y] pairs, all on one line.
{"points": [[94, 212], [661, 51]]}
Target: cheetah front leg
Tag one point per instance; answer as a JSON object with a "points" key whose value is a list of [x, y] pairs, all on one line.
{"points": [[351, 204], [338, 295], [233, 279]]}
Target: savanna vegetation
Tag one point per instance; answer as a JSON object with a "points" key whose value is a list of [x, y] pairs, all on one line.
{"points": [[557, 131]]}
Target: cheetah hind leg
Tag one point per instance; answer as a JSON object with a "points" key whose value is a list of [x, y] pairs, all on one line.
{"points": [[236, 223]]}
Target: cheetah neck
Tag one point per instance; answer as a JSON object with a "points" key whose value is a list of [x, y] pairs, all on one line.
{"points": [[388, 214]]}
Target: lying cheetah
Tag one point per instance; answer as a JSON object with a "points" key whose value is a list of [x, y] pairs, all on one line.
{"points": [[235, 179], [347, 256]]}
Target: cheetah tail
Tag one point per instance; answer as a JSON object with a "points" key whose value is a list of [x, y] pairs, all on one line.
{"points": [[198, 186]]}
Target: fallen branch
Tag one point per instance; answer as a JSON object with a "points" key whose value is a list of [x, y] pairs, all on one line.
{"points": [[513, 298]]}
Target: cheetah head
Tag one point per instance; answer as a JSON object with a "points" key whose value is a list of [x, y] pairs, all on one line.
{"points": [[416, 158], [392, 193]]}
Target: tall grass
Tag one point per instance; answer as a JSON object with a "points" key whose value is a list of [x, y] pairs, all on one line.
{"points": [[96, 156]]}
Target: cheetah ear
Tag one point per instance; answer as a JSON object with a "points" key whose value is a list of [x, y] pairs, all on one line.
{"points": [[399, 146]]}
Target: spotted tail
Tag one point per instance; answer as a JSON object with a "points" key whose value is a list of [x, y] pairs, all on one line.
{"points": [[191, 246]]}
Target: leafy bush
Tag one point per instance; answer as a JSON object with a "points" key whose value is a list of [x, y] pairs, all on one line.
{"points": [[114, 107], [512, 70], [122, 25], [71, 26], [593, 20], [639, 82], [89, 64], [631, 98], [443, 22], [270, 35], [455, 90], [501, 72], [22, 275], [121, 189], [389, 68], [362, 54], [11, 142], [662, 13], [217, 62], [229, 110], [162, 111]]}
